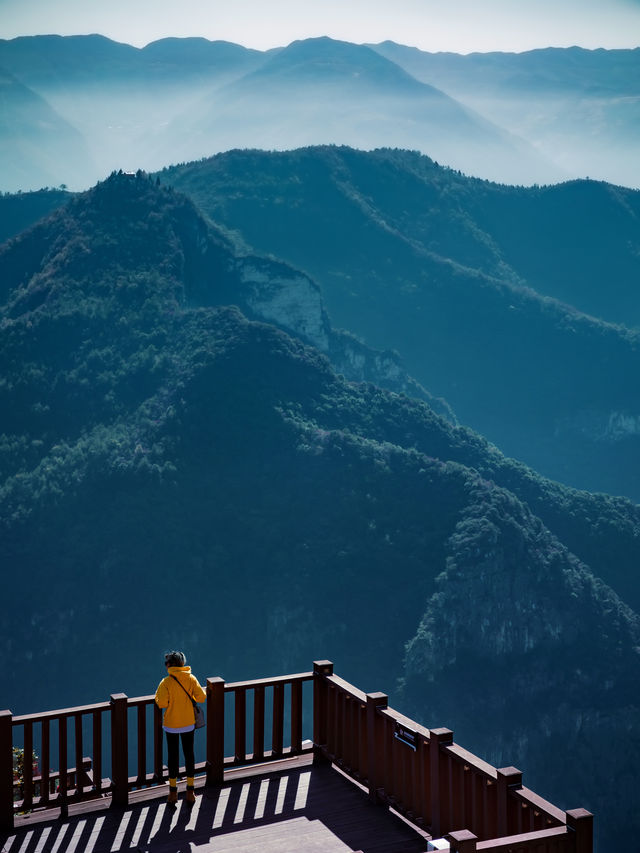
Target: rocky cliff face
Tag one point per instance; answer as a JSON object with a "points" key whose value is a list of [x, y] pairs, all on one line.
{"points": [[524, 654]]}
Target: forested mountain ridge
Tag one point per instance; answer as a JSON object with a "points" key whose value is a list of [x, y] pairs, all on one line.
{"points": [[506, 301], [160, 447], [601, 530], [471, 282]]}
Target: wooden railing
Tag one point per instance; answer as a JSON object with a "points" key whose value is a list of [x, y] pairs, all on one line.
{"points": [[420, 772], [432, 781]]}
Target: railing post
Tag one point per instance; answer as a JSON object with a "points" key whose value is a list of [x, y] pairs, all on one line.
{"points": [[462, 841], [119, 750], [375, 755], [6, 770], [320, 734], [508, 777], [215, 731], [581, 822], [437, 737]]}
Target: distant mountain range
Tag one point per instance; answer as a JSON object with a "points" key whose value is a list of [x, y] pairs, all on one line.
{"points": [[182, 99], [159, 445], [579, 108]]}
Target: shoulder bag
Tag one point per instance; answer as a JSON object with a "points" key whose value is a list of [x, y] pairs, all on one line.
{"points": [[197, 710]]}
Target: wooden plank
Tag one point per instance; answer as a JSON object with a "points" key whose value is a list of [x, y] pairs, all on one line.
{"points": [[345, 687], [63, 712], [528, 841], [268, 682]]}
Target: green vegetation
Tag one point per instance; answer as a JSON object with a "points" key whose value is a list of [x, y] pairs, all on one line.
{"points": [[503, 300], [175, 472]]}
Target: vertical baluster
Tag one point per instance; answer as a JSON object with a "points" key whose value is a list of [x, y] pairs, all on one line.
{"points": [[278, 719], [467, 777], [77, 720], [338, 700], [362, 739], [296, 717], [142, 744], [459, 794], [410, 780], [240, 697], [158, 769], [258, 722], [97, 750], [27, 767], [45, 764], [491, 829], [347, 741], [420, 796], [332, 739], [445, 757], [63, 783], [355, 737]]}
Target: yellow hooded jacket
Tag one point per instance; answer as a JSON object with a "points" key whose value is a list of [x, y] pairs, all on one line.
{"points": [[179, 716]]}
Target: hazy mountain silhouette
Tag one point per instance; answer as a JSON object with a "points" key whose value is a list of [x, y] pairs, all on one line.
{"points": [[58, 62], [580, 108], [35, 139], [150, 433], [116, 95], [180, 99], [322, 90], [464, 279]]}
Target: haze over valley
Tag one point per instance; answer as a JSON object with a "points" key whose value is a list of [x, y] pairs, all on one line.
{"points": [[113, 106]]}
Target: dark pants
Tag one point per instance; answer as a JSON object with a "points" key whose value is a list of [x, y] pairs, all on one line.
{"points": [[173, 753]]}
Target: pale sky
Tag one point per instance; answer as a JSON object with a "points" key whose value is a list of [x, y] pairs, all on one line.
{"points": [[456, 25]]}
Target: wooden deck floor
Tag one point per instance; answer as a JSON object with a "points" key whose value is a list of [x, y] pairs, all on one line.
{"points": [[299, 807]]}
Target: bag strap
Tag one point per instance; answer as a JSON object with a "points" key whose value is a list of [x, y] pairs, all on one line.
{"points": [[193, 701]]}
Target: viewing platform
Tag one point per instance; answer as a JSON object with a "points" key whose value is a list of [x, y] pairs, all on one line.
{"points": [[369, 780]]}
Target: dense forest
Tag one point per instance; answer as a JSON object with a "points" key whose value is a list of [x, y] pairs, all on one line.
{"points": [[181, 458]]}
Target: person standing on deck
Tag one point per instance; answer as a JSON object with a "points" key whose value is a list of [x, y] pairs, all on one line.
{"points": [[175, 693]]}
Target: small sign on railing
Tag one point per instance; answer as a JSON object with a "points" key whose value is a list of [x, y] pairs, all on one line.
{"points": [[406, 736]]}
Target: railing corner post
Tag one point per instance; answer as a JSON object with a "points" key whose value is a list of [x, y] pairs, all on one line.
{"points": [[6, 770], [437, 738], [581, 822], [215, 731], [321, 668], [462, 841], [508, 777], [374, 747], [119, 750]]}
